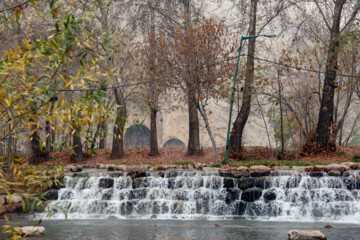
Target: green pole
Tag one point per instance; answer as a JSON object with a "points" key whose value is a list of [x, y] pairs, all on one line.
{"points": [[231, 103], [233, 91]]}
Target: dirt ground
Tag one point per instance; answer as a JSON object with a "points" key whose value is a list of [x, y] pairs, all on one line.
{"points": [[173, 155]]}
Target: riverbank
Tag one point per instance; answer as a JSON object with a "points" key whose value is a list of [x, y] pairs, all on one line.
{"points": [[251, 156]]}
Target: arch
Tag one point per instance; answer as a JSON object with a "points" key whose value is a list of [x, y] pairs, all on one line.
{"points": [[174, 143], [137, 136]]}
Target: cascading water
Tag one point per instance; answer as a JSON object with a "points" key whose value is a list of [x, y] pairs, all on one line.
{"points": [[174, 194]]}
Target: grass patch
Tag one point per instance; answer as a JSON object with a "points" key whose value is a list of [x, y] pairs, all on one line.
{"points": [[286, 163], [356, 159], [341, 153], [184, 163]]}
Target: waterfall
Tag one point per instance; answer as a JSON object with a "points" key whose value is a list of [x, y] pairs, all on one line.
{"points": [[175, 194]]}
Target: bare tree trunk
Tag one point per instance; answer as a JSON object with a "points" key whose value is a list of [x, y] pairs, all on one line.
{"points": [[120, 121], [103, 134], [50, 136], [202, 111], [154, 149], [78, 155], [324, 125], [194, 125], [239, 124], [118, 135]]}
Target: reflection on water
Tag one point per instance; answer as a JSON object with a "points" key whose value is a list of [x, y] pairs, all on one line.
{"points": [[181, 230]]}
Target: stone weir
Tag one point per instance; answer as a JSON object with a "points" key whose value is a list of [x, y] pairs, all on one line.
{"points": [[210, 194]]}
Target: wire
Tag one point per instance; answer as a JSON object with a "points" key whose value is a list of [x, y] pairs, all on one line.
{"points": [[231, 58]]}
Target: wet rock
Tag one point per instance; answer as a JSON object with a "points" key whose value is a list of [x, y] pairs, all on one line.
{"points": [[139, 193], [106, 183], [352, 183], [229, 182], [31, 230], [251, 194], [316, 174], [260, 174], [335, 173], [137, 174], [202, 206], [51, 194], [306, 235], [232, 194], [270, 195], [108, 195], [141, 182], [245, 183], [263, 182], [178, 207], [67, 195], [239, 208], [233, 174], [172, 174], [116, 174], [181, 195], [127, 207], [214, 183], [260, 168]]}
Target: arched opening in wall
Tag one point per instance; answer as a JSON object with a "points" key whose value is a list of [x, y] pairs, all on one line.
{"points": [[174, 143], [137, 136]]}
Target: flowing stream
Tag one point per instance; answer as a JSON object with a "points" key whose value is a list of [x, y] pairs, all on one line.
{"points": [[276, 196]]}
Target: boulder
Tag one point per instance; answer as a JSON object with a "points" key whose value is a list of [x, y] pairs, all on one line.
{"points": [[166, 167], [232, 194], [14, 199], [229, 182], [281, 168], [233, 174], [351, 165], [51, 194], [210, 169], [106, 182], [263, 182], [306, 235], [75, 169], [251, 194], [260, 174], [242, 168], [260, 168], [299, 169], [335, 173], [31, 230], [245, 183], [121, 167], [333, 167], [270, 195], [190, 166]]}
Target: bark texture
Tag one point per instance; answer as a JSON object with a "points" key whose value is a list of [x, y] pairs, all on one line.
{"points": [[236, 136], [325, 121]]}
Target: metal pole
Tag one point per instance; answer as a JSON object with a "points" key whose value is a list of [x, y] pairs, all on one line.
{"points": [[231, 104], [233, 91]]}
